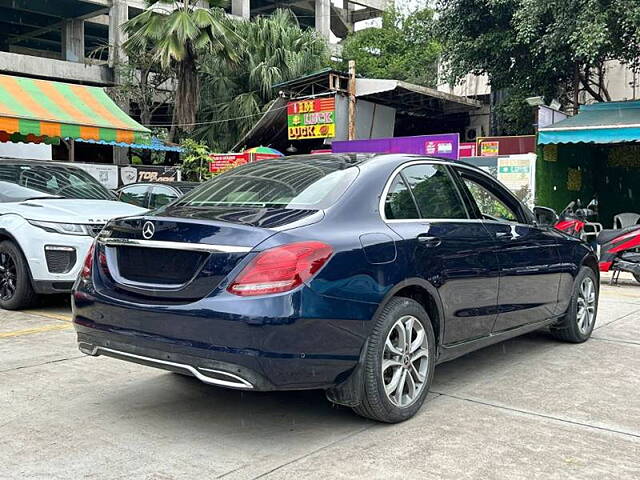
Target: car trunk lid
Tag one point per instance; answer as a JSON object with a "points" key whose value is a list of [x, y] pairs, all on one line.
{"points": [[171, 259]]}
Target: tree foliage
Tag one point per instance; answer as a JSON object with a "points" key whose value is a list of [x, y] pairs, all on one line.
{"points": [[404, 48], [554, 48], [178, 33], [275, 49]]}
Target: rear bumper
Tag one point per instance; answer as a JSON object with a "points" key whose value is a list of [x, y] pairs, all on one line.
{"points": [[243, 347], [222, 374]]}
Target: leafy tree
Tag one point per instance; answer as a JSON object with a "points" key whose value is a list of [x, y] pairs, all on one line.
{"points": [[145, 81], [178, 34], [404, 48], [195, 161], [554, 48], [275, 49]]}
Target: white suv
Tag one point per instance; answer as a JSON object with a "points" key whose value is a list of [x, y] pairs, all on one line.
{"points": [[49, 214]]}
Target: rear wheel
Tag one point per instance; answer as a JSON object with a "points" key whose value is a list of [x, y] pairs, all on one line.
{"points": [[577, 325], [16, 291], [399, 362]]}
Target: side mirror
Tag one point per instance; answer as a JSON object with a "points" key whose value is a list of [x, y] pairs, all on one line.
{"points": [[545, 216]]}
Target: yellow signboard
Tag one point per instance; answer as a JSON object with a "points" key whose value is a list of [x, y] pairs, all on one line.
{"points": [[312, 131], [311, 118]]}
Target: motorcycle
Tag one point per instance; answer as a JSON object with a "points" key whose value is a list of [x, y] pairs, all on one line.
{"points": [[619, 251], [574, 220]]}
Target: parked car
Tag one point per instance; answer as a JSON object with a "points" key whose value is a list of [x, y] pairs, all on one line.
{"points": [[49, 214], [154, 195], [355, 274]]}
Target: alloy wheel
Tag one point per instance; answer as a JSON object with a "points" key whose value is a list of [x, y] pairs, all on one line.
{"points": [[8, 276], [586, 305], [405, 361]]}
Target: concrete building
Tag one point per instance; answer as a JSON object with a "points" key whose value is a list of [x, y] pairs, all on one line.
{"points": [[78, 40]]}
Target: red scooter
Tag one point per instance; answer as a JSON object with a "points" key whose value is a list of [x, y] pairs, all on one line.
{"points": [[573, 219], [619, 251]]}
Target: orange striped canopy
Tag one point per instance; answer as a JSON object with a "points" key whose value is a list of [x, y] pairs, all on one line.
{"points": [[41, 109]]}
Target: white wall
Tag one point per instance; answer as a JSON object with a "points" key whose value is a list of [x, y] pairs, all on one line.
{"points": [[29, 151]]}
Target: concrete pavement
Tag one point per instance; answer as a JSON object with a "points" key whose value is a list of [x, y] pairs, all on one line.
{"points": [[528, 408]]}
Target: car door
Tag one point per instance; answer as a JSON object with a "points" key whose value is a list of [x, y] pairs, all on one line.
{"points": [[445, 247], [135, 195], [161, 195], [529, 258]]}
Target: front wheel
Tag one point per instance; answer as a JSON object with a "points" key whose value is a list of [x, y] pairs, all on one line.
{"points": [[578, 323], [399, 362], [16, 291]]}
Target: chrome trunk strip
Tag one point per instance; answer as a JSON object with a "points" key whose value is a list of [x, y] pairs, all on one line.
{"points": [[198, 247]]}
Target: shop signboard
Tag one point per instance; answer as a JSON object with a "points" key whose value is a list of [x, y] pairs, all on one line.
{"points": [[444, 145], [514, 171], [314, 118], [222, 161], [514, 145], [489, 149], [467, 149]]}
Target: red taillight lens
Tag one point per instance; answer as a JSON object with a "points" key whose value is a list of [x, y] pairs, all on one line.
{"points": [[87, 267], [281, 269]]}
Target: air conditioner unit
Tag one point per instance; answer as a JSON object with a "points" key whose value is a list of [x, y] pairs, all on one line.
{"points": [[470, 134]]}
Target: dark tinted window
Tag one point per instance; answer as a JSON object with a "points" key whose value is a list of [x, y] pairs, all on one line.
{"points": [[294, 183], [161, 196], [434, 191], [52, 180], [399, 204], [135, 195]]}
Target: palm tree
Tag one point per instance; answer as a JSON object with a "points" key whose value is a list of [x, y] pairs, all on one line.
{"points": [[178, 32], [275, 49]]}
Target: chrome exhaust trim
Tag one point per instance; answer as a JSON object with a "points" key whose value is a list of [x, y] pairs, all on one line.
{"points": [[234, 381]]}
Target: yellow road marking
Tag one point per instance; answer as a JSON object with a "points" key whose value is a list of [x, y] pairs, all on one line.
{"points": [[56, 316], [29, 331]]}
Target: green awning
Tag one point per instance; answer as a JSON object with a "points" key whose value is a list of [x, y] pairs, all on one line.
{"points": [[608, 122], [37, 110]]}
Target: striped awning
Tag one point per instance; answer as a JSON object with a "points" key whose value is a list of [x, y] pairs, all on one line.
{"points": [[39, 108]]}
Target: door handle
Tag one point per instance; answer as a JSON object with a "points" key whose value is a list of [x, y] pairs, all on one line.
{"points": [[428, 241], [504, 236]]}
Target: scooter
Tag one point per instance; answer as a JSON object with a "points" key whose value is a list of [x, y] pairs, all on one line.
{"points": [[619, 251], [574, 220]]}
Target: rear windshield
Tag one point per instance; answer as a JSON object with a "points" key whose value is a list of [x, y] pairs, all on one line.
{"points": [[294, 183], [27, 181]]}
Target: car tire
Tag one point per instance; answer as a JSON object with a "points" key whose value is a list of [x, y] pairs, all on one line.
{"points": [[16, 291], [408, 363], [576, 326]]}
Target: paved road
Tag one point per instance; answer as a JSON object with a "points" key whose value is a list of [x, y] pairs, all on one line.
{"points": [[528, 408]]}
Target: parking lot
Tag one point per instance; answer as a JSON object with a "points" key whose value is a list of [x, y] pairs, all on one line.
{"points": [[528, 408]]}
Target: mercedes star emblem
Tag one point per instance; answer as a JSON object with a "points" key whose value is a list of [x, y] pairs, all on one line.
{"points": [[148, 230]]}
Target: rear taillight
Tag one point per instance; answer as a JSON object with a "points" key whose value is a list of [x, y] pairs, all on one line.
{"points": [[87, 266], [281, 269]]}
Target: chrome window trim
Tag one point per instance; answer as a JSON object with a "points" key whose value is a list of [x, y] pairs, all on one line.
{"points": [[398, 169], [198, 247]]}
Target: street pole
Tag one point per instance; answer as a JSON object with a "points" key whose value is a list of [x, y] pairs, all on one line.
{"points": [[352, 100]]}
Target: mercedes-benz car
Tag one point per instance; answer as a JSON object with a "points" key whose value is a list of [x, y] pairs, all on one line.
{"points": [[355, 274], [49, 215]]}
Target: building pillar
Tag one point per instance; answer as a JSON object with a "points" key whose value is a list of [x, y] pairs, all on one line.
{"points": [[118, 15], [73, 40], [323, 18], [241, 8]]}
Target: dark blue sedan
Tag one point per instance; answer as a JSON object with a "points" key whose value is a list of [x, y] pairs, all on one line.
{"points": [[355, 274]]}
